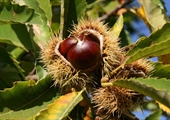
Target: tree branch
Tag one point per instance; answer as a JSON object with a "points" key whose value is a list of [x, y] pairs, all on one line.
{"points": [[114, 11]]}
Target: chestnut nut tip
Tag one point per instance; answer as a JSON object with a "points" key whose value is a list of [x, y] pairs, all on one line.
{"points": [[82, 52]]}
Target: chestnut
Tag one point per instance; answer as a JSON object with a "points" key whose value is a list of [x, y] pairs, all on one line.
{"points": [[82, 52], [66, 45]]}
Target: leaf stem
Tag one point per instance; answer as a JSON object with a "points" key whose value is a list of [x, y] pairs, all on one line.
{"points": [[107, 84]]}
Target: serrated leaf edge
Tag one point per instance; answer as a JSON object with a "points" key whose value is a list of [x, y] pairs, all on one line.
{"points": [[132, 57], [72, 102]]}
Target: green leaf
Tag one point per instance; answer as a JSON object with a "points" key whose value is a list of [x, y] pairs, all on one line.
{"points": [[4, 59], [154, 45], [46, 7], [61, 107], [155, 50], [154, 14], [28, 67], [26, 99], [109, 6], [161, 3], [158, 89], [117, 28], [11, 34], [55, 2], [71, 11], [161, 71], [18, 14], [34, 4], [155, 115], [42, 29], [10, 70], [40, 72], [8, 76], [17, 52]]}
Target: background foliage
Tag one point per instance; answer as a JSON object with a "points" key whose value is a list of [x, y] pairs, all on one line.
{"points": [[26, 90]]}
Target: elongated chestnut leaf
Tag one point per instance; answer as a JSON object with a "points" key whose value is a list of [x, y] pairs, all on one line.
{"points": [[117, 28], [35, 13], [161, 71], [154, 45], [11, 34], [46, 7], [41, 30], [118, 32], [160, 3], [163, 107], [154, 14], [14, 13], [38, 7], [155, 50], [158, 89], [61, 107], [25, 99], [156, 17]]}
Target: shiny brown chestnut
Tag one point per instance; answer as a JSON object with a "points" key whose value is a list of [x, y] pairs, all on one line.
{"points": [[66, 45], [82, 52]]}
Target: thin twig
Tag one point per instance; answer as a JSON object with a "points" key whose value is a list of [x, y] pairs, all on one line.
{"points": [[32, 75], [107, 84], [130, 116], [114, 11]]}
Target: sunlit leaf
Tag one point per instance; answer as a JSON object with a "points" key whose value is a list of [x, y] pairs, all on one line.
{"points": [[161, 3], [158, 89], [26, 99], [61, 107], [11, 34], [117, 28], [155, 50], [140, 12], [17, 52], [19, 14], [154, 45], [46, 7], [154, 14], [163, 107], [42, 29]]}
